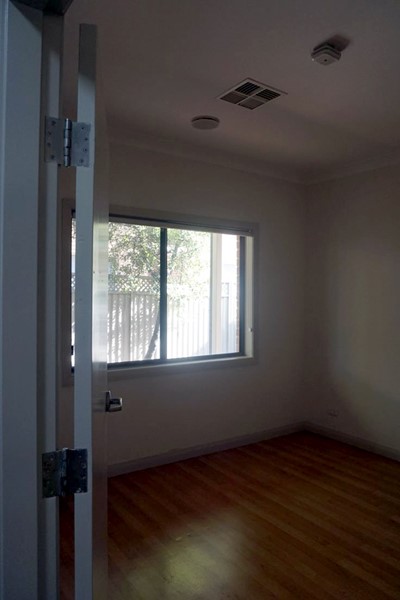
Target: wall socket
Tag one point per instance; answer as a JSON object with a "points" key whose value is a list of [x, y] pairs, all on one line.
{"points": [[333, 412]]}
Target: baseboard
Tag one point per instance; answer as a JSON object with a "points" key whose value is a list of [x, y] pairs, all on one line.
{"points": [[352, 440], [184, 453]]}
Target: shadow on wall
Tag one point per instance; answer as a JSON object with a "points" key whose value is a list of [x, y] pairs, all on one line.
{"points": [[352, 407], [353, 342]]}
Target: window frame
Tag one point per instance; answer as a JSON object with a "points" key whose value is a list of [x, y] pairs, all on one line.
{"points": [[248, 233]]}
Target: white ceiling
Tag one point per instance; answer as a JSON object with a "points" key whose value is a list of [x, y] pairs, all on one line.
{"points": [[165, 61]]}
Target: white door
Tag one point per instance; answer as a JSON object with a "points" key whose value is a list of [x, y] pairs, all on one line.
{"points": [[29, 74], [90, 348], [90, 375]]}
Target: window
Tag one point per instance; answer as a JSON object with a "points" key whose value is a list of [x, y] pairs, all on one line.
{"points": [[177, 291]]}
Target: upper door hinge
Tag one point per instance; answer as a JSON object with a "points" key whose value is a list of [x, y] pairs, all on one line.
{"points": [[67, 142], [64, 472]]}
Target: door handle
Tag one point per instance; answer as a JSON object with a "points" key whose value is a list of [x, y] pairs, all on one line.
{"points": [[113, 404]]}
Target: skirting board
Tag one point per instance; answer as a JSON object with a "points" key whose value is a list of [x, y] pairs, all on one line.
{"points": [[352, 440], [184, 453]]}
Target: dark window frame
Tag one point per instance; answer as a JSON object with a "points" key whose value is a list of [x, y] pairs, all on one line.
{"points": [[246, 329]]}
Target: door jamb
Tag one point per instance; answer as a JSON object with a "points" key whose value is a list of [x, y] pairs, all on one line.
{"points": [[20, 65]]}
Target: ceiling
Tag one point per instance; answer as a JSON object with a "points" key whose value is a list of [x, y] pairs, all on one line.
{"points": [[166, 61]]}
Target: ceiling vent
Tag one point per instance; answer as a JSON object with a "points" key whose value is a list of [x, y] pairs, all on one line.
{"points": [[251, 94]]}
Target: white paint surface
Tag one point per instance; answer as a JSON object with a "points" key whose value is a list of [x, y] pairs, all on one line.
{"points": [[168, 61], [353, 300], [165, 412], [20, 61], [90, 422], [349, 361]]}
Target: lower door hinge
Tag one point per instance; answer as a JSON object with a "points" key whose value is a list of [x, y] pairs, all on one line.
{"points": [[67, 142], [64, 472]]}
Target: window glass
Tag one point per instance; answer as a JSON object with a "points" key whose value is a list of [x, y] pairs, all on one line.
{"points": [[133, 292], [203, 275], [173, 293]]}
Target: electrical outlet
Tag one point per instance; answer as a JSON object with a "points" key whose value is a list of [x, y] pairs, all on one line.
{"points": [[333, 412]]}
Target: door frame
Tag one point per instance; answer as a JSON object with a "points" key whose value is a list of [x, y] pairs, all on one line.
{"points": [[48, 236], [20, 71], [29, 74]]}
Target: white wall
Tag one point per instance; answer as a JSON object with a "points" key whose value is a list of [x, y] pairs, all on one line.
{"points": [[328, 308], [353, 305], [165, 412]]}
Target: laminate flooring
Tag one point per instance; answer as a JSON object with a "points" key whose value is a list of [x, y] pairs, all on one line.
{"points": [[296, 517]]}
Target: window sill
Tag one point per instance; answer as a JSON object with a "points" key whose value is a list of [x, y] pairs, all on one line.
{"points": [[126, 373], [129, 373]]}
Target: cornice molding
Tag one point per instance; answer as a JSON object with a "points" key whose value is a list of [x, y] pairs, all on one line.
{"points": [[205, 155], [353, 168], [256, 166]]}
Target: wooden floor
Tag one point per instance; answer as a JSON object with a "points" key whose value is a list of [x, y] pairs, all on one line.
{"points": [[294, 517]]}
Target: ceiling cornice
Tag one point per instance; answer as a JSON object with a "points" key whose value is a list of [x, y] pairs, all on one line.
{"points": [[214, 157], [256, 166], [353, 168]]}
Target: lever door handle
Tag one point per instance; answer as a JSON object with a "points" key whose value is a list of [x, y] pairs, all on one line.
{"points": [[113, 404]]}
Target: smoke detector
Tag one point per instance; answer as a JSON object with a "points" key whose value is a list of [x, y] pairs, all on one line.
{"points": [[326, 54]]}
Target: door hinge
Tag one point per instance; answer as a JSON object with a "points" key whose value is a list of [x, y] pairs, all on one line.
{"points": [[64, 472], [67, 142]]}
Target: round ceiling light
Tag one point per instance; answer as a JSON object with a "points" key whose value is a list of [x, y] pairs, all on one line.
{"points": [[205, 122]]}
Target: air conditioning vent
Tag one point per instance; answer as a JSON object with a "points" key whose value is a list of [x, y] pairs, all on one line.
{"points": [[251, 103], [251, 94], [268, 95], [247, 88], [233, 97]]}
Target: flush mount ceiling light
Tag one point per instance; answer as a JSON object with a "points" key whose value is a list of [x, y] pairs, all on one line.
{"points": [[205, 122]]}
